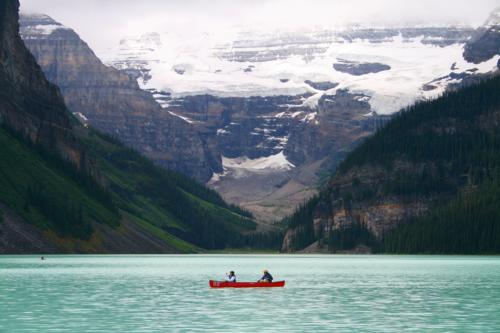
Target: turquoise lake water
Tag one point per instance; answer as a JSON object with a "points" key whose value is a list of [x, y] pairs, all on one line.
{"points": [[323, 294]]}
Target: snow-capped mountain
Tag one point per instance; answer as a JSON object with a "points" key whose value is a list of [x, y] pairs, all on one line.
{"points": [[275, 109], [281, 63], [301, 97]]}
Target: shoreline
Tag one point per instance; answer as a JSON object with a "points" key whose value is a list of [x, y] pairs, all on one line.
{"points": [[249, 253]]}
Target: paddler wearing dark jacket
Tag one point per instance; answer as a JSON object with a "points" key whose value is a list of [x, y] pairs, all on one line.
{"points": [[267, 277]]}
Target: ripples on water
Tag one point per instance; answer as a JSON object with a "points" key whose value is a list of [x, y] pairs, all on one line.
{"points": [[323, 294]]}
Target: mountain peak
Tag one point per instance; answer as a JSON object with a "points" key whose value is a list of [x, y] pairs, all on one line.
{"points": [[38, 25]]}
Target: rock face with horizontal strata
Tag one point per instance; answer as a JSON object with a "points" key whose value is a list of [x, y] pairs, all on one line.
{"points": [[345, 204], [29, 104], [256, 127], [112, 101]]}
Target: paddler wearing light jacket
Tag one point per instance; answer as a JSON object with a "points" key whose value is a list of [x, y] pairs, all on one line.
{"points": [[231, 277]]}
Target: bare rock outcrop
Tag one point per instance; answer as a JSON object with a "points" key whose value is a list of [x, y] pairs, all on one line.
{"points": [[113, 102]]}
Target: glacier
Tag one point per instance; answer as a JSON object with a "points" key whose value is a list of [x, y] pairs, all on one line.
{"points": [[209, 64]]}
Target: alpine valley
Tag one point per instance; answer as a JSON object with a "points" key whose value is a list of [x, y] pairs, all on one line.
{"points": [[263, 117], [349, 138]]}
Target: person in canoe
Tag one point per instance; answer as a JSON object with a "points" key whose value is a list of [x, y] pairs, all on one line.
{"points": [[267, 277], [231, 277]]}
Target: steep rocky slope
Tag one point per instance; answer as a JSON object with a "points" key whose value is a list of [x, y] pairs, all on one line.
{"points": [[427, 156], [69, 188], [112, 101], [273, 148], [29, 103]]}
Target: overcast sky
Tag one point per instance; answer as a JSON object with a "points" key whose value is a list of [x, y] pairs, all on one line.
{"points": [[101, 22]]}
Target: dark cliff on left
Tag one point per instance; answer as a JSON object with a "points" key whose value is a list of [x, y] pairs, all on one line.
{"points": [[67, 188]]}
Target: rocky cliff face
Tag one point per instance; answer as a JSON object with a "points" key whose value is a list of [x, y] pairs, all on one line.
{"points": [[112, 101], [29, 103], [266, 143], [34, 108], [337, 124], [350, 202], [485, 42]]}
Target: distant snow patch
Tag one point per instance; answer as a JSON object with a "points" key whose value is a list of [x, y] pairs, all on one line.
{"points": [[216, 177], [272, 162], [186, 119], [48, 29], [82, 118], [221, 131], [34, 31], [312, 102], [309, 117]]}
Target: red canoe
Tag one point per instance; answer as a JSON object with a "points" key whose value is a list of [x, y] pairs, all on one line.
{"points": [[225, 284]]}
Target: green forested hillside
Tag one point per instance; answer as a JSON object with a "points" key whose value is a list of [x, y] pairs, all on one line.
{"points": [[50, 193], [458, 130], [469, 224], [442, 154], [195, 213]]}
